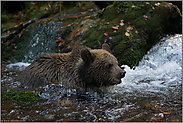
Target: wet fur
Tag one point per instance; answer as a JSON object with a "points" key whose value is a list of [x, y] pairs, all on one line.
{"points": [[80, 68]]}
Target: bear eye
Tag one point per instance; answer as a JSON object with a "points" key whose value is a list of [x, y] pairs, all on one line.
{"points": [[109, 65]]}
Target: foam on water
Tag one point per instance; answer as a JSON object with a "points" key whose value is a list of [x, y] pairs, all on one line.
{"points": [[17, 66], [159, 69]]}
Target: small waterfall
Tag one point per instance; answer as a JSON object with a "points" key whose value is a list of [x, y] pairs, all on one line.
{"points": [[158, 71]]}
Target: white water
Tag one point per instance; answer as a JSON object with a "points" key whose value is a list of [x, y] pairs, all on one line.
{"points": [[17, 66], [159, 70]]}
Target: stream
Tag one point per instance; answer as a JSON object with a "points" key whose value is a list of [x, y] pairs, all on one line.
{"points": [[151, 92]]}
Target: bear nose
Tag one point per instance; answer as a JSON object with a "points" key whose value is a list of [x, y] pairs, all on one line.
{"points": [[122, 74]]}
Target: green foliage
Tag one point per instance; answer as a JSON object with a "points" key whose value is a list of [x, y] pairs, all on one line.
{"points": [[22, 96], [99, 12], [151, 10], [120, 3], [4, 17], [123, 6]]}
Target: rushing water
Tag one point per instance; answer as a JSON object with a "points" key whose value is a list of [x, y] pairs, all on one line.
{"points": [[151, 92]]}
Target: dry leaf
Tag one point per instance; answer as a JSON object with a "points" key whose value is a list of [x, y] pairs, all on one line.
{"points": [[114, 27], [20, 34], [106, 22], [69, 24], [137, 32], [166, 112], [74, 33], [97, 20], [130, 28], [87, 17], [58, 40], [79, 29], [37, 21], [79, 4], [121, 24], [157, 4], [127, 34], [45, 20], [35, 7], [60, 44], [106, 34], [15, 25], [102, 20], [84, 12]]}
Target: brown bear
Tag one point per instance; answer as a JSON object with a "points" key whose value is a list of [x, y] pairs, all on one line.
{"points": [[80, 68]]}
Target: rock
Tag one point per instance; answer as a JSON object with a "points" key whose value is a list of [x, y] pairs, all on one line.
{"points": [[138, 26], [149, 22], [102, 4], [15, 30], [65, 103], [84, 26]]}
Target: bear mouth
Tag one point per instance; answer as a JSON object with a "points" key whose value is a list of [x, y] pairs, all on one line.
{"points": [[117, 81]]}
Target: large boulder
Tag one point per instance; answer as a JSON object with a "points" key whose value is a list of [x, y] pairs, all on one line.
{"points": [[130, 28]]}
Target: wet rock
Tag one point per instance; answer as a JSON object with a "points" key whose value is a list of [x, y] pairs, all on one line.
{"points": [[43, 35], [14, 31], [136, 117], [84, 26], [49, 117], [157, 117], [149, 22], [130, 28], [65, 103]]}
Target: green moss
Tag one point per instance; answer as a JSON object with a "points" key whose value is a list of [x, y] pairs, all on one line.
{"points": [[94, 37], [22, 96], [121, 46], [99, 12], [151, 10]]}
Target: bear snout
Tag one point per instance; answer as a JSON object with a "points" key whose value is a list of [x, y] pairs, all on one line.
{"points": [[122, 73]]}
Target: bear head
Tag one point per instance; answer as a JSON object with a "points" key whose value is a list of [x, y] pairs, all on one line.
{"points": [[99, 67]]}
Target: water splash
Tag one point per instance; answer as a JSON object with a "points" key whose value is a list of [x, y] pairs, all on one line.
{"points": [[159, 69]]}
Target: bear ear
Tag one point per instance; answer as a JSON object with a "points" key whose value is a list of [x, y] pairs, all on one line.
{"points": [[105, 46], [87, 56]]}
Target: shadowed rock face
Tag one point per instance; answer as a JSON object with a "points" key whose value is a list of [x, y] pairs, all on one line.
{"points": [[80, 68]]}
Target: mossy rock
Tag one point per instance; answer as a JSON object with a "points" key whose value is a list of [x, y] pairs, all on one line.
{"points": [[22, 96], [144, 23], [149, 22]]}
